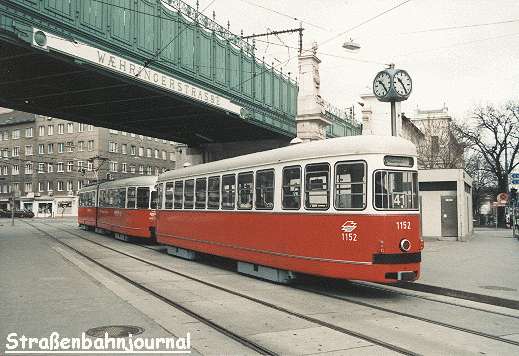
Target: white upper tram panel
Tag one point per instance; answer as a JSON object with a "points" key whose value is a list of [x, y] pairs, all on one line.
{"points": [[341, 146], [143, 181]]}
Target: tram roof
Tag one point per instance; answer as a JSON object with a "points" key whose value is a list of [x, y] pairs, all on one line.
{"points": [[125, 182], [341, 146]]}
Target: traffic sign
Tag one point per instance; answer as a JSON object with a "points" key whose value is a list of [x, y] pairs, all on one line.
{"points": [[515, 175], [515, 181], [502, 198]]}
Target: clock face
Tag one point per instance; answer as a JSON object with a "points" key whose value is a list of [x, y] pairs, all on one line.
{"points": [[381, 84], [402, 83]]}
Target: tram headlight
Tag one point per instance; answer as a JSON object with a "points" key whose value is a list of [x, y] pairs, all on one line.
{"points": [[405, 245]]}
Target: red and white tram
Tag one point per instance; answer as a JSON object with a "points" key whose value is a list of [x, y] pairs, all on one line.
{"points": [[124, 207], [343, 208]]}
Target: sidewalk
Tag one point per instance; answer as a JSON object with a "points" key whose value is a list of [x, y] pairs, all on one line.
{"points": [[487, 264]]}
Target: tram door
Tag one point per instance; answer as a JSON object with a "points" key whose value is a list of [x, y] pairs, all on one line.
{"points": [[449, 214]]}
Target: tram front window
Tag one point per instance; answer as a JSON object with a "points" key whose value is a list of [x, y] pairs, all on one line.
{"points": [[396, 190], [143, 198]]}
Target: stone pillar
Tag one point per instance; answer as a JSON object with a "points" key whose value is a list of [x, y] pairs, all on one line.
{"points": [[310, 120]]}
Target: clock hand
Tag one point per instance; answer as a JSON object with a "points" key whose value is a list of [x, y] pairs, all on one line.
{"points": [[403, 86], [382, 85]]}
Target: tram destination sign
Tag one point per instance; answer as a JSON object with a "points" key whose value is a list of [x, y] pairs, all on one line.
{"points": [[114, 63]]}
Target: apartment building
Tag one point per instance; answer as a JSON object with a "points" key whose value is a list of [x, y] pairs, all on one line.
{"points": [[45, 160]]}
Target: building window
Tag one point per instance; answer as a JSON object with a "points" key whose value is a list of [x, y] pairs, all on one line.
{"points": [[112, 147], [50, 168], [90, 145], [70, 129], [28, 168], [172, 156], [81, 127], [115, 132], [435, 145], [41, 186], [41, 167], [61, 147], [141, 151], [4, 170], [16, 187], [132, 169], [113, 166], [81, 146], [141, 169], [41, 148], [28, 187], [90, 166], [164, 155], [156, 154], [50, 130], [133, 150], [50, 148], [61, 129], [29, 132], [124, 133], [148, 170], [123, 148], [148, 152], [15, 169], [16, 134], [41, 131], [70, 186], [28, 150], [16, 151], [60, 186], [50, 186], [70, 146], [90, 128], [132, 134], [80, 184], [5, 153], [124, 168], [70, 166], [6, 135], [60, 167]]}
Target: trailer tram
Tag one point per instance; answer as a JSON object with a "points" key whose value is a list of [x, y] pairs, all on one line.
{"points": [[124, 207], [343, 208]]}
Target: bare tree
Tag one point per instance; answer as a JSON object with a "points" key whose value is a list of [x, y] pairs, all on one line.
{"points": [[439, 148], [494, 135]]}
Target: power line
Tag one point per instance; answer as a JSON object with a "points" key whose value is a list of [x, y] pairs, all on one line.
{"points": [[285, 15], [364, 22], [461, 27], [459, 44]]}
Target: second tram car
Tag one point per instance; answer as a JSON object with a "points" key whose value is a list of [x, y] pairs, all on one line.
{"points": [[343, 208], [124, 207]]}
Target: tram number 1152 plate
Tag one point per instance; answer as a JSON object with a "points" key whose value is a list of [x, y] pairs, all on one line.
{"points": [[403, 225], [349, 236]]}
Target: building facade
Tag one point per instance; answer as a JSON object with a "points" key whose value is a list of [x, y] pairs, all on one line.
{"points": [[45, 161]]}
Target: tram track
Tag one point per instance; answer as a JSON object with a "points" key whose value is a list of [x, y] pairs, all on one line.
{"points": [[252, 345], [326, 294]]}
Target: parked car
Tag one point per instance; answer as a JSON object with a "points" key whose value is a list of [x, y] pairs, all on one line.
{"points": [[28, 213], [5, 213]]}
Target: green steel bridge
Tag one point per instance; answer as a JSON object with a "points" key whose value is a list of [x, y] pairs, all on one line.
{"points": [[154, 67]]}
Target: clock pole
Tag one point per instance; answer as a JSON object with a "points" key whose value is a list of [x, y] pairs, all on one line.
{"points": [[393, 118]]}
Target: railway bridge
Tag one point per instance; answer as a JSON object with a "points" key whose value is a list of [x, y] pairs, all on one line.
{"points": [[153, 67]]}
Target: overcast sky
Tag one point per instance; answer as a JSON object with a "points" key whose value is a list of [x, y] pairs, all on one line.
{"points": [[459, 67]]}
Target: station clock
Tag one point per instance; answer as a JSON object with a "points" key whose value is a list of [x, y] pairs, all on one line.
{"points": [[392, 85]]}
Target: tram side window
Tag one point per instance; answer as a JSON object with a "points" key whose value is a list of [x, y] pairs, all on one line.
{"points": [[228, 191], [201, 191], [317, 187], [350, 185], [213, 193], [131, 198], [143, 198], [245, 190], [121, 198], [189, 194], [179, 194], [168, 204], [102, 198], [158, 196], [265, 190], [154, 201], [292, 188]]}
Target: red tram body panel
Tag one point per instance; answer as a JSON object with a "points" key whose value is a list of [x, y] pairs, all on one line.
{"points": [[308, 243], [134, 223], [87, 216]]}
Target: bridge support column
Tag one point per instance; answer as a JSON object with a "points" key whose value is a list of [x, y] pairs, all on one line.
{"points": [[310, 120]]}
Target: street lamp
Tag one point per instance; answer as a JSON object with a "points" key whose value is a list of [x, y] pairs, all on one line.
{"points": [[351, 45]]}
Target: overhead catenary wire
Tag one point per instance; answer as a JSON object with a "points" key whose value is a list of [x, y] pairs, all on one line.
{"points": [[449, 28], [364, 22]]}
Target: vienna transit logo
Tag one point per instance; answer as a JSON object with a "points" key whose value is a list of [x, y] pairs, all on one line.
{"points": [[349, 226]]}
